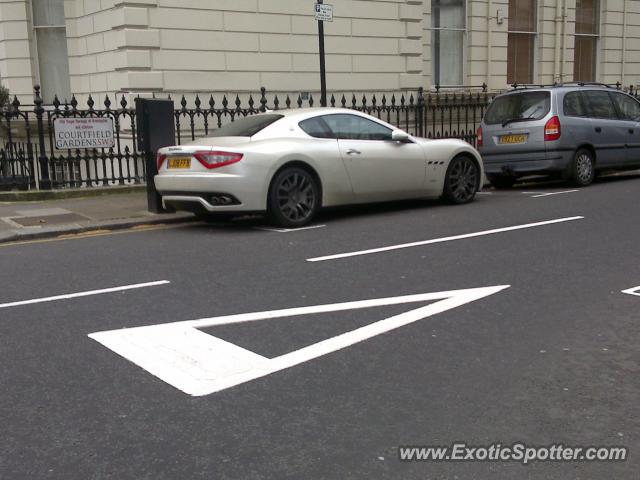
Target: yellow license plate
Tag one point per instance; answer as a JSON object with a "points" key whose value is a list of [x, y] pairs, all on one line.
{"points": [[179, 162], [511, 139]]}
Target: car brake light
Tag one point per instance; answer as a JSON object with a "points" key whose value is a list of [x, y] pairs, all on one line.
{"points": [[217, 159], [480, 139], [552, 129], [160, 159]]}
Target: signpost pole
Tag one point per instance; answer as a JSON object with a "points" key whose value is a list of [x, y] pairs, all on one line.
{"points": [[323, 73]]}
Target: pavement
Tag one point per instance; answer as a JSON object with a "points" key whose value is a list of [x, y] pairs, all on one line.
{"points": [[27, 219], [317, 353]]}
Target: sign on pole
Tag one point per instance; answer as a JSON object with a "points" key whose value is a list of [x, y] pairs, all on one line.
{"points": [[324, 12], [90, 132]]}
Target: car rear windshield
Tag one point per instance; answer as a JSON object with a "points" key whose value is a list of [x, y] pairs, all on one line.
{"points": [[518, 107], [247, 126]]}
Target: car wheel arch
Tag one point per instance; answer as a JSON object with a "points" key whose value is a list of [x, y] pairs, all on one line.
{"points": [[472, 156], [590, 148], [299, 164]]}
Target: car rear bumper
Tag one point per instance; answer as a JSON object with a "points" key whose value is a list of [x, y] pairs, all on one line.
{"points": [[211, 193], [527, 163]]}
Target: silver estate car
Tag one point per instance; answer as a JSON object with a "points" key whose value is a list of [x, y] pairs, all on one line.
{"points": [[569, 131]]}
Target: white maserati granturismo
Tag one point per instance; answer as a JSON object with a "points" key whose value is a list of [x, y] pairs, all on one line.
{"points": [[290, 163]]}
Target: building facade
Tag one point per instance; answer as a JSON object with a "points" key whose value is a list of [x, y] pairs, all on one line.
{"points": [[173, 46]]}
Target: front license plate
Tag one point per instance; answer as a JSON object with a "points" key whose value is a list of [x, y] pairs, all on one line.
{"points": [[179, 162], [511, 139]]}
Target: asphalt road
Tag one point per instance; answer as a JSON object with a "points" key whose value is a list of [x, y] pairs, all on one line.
{"points": [[553, 358]]}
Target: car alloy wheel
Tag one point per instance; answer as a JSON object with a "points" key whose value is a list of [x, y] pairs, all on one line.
{"points": [[293, 197], [583, 168], [462, 180]]}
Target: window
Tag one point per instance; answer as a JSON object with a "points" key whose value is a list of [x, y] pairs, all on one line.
{"points": [[521, 41], [247, 126], [51, 47], [518, 106], [353, 127], [316, 127], [599, 105], [628, 108], [573, 105], [586, 40], [447, 35]]}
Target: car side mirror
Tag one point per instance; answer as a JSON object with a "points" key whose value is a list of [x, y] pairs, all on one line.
{"points": [[400, 136]]}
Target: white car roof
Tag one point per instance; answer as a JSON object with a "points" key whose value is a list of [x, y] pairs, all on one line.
{"points": [[302, 113]]}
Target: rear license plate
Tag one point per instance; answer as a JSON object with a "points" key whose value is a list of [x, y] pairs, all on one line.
{"points": [[511, 139], [179, 162]]}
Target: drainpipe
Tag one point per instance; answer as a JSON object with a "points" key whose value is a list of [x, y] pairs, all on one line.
{"points": [[557, 20], [624, 40], [564, 38], [489, 20]]}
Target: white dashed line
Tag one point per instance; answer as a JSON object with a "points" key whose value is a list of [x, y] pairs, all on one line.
{"points": [[541, 194], [443, 239], [83, 294], [288, 230]]}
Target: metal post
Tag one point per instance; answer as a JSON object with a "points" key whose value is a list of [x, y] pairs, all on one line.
{"points": [[421, 132], [323, 73], [156, 129], [45, 179]]}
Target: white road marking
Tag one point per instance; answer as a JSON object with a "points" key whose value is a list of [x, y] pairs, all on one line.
{"points": [[540, 194], [83, 294], [287, 230], [200, 364], [443, 239], [632, 291]]}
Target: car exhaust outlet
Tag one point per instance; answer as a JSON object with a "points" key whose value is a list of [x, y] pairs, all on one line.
{"points": [[222, 200]]}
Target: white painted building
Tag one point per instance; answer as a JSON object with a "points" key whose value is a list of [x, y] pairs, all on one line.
{"points": [[175, 46]]}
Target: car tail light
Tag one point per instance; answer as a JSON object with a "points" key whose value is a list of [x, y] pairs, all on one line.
{"points": [[480, 138], [552, 129], [160, 159], [217, 159]]}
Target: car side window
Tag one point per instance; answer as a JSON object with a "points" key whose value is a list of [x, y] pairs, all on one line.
{"points": [[316, 127], [628, 108], [599, 105], [573, 105], [353, 127]]}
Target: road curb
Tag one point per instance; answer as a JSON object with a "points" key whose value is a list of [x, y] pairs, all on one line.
{"points": [[40, 195], [106, 225]]}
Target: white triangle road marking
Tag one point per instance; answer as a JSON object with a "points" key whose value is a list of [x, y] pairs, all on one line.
{"points": [[632, 291], [200, 364]]}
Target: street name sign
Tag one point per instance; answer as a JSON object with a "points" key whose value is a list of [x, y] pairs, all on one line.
{"points": [[324, 12], [198, 364], [90, 132]]}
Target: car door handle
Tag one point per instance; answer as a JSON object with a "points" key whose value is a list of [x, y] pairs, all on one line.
{"points": [[353, 151], [598, 129], [631, 131]]}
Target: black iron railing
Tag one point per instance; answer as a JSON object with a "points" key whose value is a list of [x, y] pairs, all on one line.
{"points": [[29, 158]]}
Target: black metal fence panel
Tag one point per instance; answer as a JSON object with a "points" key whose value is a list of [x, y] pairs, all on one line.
{"points": [[29, 158]]}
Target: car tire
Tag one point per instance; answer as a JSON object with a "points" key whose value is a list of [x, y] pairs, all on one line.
{"points": [[462, 180], [501, 181], [294, 198], [583, 168]]}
